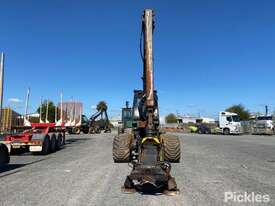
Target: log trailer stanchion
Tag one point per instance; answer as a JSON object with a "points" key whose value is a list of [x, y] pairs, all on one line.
{"points": [[149, 152]]}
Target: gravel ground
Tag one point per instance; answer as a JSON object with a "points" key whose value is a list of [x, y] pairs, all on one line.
{"points": [[83, 173]]}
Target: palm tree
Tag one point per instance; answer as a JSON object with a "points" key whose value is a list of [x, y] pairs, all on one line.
{"points": [[101, 106]]}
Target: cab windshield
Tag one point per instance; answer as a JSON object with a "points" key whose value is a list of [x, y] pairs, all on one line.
{"points": [[264, 118], [236, 118], [127, 114]]}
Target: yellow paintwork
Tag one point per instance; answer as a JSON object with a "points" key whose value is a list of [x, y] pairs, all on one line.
{"points": [[155, 139]]}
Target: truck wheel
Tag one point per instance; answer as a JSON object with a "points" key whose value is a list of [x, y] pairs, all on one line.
{"points": [[121, 148], [171, 149], [53, 143], [46, 145], [4, 154], [226, 131]]}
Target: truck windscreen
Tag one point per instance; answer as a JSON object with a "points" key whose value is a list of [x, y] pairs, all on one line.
{"points": [[236, 118], [264, 118]]}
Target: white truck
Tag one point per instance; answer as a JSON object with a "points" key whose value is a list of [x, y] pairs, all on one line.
{"points": [[264, 125], [229, 123]]}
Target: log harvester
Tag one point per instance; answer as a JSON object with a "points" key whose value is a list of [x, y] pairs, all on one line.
{"points": [[145, 148]]}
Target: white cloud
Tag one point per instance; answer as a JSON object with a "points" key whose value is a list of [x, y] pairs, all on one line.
{"points": [[14, 100], [93, 106]]}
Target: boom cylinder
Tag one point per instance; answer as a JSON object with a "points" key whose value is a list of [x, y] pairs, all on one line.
{"points": [[148, 56]]}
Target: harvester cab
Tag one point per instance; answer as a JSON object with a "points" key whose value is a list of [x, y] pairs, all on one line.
{"points": [[126, 119], [149, 152]]}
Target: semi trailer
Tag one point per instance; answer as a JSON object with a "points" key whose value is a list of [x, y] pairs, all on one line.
{"points": [[38, 138]]}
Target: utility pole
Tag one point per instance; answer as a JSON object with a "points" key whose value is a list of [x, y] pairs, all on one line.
{"points": [[1, 86], [266, 110]]}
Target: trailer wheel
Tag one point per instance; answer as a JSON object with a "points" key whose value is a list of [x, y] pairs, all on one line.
{"points": [[63, 138], [171, 149], [4, 154], [59, 141], [121, 148], [46, 145], [53, 143]]}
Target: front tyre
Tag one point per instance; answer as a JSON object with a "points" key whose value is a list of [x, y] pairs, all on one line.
{"points": [[171, 149], [122, 148]]}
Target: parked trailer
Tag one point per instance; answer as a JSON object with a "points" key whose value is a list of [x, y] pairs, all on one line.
{"points": [[39, 138]]}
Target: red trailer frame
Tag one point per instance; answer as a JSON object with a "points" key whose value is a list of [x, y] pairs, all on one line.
{"points": [[40, 138]]}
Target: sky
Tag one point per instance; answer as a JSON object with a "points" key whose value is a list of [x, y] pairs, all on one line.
{"points": [[208, 55]]}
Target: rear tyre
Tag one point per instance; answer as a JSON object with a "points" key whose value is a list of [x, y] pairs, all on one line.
{"points": [[63, 138], [171, 149], [53, 143], [46, 145], [121, 148], [59, 141], [4, 154]]}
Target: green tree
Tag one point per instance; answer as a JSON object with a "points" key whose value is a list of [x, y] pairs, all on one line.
{"points": [[51, 111], [240, 110], [171, 118], [102, 105]]}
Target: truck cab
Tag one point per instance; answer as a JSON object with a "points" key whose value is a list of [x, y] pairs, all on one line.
{"points": [[229, 123], [264, 125]]}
